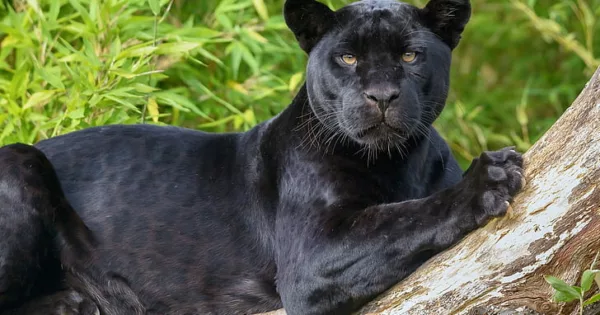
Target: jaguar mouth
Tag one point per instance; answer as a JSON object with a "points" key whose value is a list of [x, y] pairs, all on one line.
{"points": [[378, 129], [362, 133]]}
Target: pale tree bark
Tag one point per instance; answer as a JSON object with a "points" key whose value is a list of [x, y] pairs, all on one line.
{"points": [[554, 229]]}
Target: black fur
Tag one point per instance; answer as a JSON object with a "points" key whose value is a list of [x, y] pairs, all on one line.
{"points": [[40, 232], [308, 20], [318, 210]]}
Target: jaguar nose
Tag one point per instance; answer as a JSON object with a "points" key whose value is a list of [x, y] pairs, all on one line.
{"points": [[381, 96]]}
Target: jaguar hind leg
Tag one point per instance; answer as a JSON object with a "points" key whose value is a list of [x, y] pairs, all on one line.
{"points": [[67, 302], [37, 227]]}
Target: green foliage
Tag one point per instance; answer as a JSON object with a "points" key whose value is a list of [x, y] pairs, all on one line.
{"points": [[569, 293], [516, 71], [225, 65]]}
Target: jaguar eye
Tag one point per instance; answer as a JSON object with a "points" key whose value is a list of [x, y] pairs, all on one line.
{"points": [[349, 59], [409, 57]]}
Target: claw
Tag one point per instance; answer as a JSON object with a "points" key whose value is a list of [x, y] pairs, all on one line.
{"points": [[509, 210]]}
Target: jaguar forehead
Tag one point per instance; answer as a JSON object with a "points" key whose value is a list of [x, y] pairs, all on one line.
{"points": [[388, 12], [373, 5], [375, 25]]}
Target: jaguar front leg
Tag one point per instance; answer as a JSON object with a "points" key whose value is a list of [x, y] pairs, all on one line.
{"points": [[325, 270]]}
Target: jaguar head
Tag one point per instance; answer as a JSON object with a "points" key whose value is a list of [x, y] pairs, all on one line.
{"points": [[378, 70]]}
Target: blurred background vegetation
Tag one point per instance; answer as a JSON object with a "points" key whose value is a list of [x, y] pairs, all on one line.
{"points": [[225, 65]]}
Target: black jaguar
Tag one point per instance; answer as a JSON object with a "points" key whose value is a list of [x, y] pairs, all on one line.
{"points": [[317, 210]]}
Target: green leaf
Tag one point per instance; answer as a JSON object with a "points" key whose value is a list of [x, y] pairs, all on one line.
{"points": [[230, 6], [39, 99], [77, 114], [94, 9], [206, 54], [85, 16], [178, 101], [125, 103], [256, 36], [143, 88], [37, 117], [563, 297], [250, 59], [194, 33], [129, 75], [219, 122], [8, 129], [209, 93], [51, 78], [19, 82], [261, 9], [566, 290], [177, 48], [154, 6], [521, 113], [90, 53], [592, 300], [54, 10], [295, 81], [235, 50], [224, 20], [238, 121], [587, 279], [153, 109], [115, 46], [137, 51], [122, 92], [36, 7], [250, 117]]}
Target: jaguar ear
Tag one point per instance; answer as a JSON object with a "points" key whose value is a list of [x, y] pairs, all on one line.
{"points": [[447, 19], [309, 20]]}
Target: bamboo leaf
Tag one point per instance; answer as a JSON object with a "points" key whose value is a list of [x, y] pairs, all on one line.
{"points": [[153, 109], [8, 129], [177, 48], [39, 99], [295, 80], [77, 113], [19, 83], [154, 6], [261, 9], [51, 78]]}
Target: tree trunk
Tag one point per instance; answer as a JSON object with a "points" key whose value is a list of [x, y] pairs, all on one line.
{"points": [[554, 229]]}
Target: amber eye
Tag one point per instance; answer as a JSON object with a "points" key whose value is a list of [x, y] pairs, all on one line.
{"points": [[409, 56], [349, 59]]}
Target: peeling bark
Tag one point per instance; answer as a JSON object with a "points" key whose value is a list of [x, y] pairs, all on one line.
{"points": [[554, 229]]}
